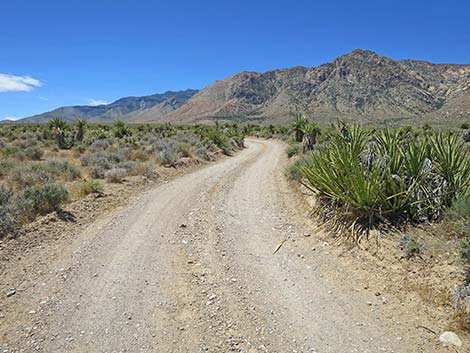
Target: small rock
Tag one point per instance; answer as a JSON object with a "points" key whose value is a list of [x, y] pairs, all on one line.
{"points": [[183, 225], [306, 235], [11, 292], [449, 338]]}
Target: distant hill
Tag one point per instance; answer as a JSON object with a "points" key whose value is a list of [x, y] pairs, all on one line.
{"points": [[125, 108], [361, 86]]}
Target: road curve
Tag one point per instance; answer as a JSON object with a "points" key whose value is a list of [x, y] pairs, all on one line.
{"points": [[190, 266]]}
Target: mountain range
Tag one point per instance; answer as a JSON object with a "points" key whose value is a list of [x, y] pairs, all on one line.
{"points": [[127, 108], [361, 86]]}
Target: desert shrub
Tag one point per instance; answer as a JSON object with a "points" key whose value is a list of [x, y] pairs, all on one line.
{"points": [[184, 149], [60, 169], [6, 166], [465, 126], [42, 199], [33, 173], [168, 157], [460, 208], [99, 145], [202, 152], [8, 214], [293, 149], [9, 151], [410, 246], [132, 167], [34, 153], [25, 175], [115, 175], [78, 149], [139, 155], [294, 170], [87, 187], [465, 250], [101, 162]]}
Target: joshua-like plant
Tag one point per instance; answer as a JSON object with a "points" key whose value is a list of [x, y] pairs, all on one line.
{"points": [[58, 126], [81, 125], [309, 139], [298, 127]]}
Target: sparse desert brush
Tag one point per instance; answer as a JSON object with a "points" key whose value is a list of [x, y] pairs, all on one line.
{"points": [[410, 246], [87, 187], [139, 155], [202, 152], [6, 166], [465, 250], [8, 214], [363, 178], [42, 199], [294, 170], [99, 145], [115, 175], [34, 153], [100, 162], [60, 169], [293, 149], [32, 173]]}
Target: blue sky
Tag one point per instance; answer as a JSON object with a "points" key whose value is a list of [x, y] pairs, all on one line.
{"points": [[56, 53]]}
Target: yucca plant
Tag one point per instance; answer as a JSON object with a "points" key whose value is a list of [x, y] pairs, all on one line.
{"points": [[364, 178], [309, 139], [298, 127], [121, 129], [58, 126], [81, 125], [453, 164]]}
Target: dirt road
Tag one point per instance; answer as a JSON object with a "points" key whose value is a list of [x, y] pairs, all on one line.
{"points": [[190, 266]]}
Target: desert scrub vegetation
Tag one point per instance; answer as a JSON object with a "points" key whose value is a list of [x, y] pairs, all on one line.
{"points": [[42, 167], [364, 178]]}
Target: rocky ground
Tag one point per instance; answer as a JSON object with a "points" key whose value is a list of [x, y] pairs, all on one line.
{"points": [[221, 259]]}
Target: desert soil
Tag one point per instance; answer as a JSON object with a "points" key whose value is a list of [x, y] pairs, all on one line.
{"points": [[221, 259]]}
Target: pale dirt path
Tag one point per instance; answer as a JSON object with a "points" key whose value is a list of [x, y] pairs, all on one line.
{"points": [[189, 267]]}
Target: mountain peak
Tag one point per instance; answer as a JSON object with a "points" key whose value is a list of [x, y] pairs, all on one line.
{"points": [[361, 85]]}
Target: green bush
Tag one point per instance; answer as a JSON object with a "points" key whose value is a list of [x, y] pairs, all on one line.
{"points": [[41, 172], [42, 199], [465, 250], [8, 214], [87, 187], [460, 208], [115, 175], [293, 149], [294, 170]]}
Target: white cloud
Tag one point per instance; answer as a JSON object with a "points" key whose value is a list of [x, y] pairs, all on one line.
{"points": [[18, 83], [97, 102], [10, 118]]}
